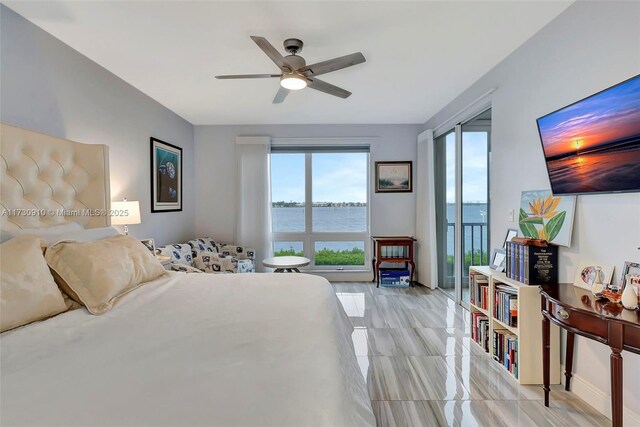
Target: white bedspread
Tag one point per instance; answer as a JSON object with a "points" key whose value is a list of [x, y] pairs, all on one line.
{"points": [[191, 350]]}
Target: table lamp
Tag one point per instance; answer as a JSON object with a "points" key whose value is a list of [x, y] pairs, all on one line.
{"points": [[126, 213]]}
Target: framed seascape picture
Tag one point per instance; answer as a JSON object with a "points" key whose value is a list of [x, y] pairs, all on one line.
{"points": [[166, 177], [394, 177], [547, 217]]}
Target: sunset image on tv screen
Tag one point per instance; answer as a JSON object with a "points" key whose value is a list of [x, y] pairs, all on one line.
{"points": [[594, 144]]}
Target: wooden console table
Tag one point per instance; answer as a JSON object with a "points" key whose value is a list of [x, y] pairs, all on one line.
{"points": [[392, 249], [578, 312]]}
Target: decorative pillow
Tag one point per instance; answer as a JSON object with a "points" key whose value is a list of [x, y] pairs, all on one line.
{"points": [[204, 244], [246, 266], [184, 268], [211, 262], [28, 290], [239, 252], [97, 273], [180, 253]]}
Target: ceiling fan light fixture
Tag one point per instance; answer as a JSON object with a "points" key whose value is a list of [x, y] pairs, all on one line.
{"points": [[293, 81]]}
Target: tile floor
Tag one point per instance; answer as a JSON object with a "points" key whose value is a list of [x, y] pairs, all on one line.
{"points": [[422, 369]]}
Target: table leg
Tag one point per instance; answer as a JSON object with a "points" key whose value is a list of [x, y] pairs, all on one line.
{"points": [[616, 332], [295, 270], [373, 266], [616, 388], [568, 372], [413, 268], [377, 268], [278, 270], [546, 348]]}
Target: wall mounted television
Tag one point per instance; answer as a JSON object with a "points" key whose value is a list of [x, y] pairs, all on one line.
{"points": [[593, 145]]}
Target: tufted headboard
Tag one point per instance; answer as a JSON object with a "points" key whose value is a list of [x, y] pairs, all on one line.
{"points": [[46, 181]]}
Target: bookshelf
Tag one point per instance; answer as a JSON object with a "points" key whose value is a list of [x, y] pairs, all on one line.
{"points": [[518, 319]]}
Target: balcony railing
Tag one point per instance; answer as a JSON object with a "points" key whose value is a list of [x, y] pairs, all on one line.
{"points": [[475, 247]]}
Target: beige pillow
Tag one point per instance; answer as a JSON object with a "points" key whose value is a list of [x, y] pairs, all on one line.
{"points": [[28, 292], [96, 273]]}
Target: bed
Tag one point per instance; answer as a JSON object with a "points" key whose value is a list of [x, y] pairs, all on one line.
{"points": [[181, 350]]}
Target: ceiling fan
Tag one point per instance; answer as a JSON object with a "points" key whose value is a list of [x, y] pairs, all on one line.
{"points": [[295, 74]]}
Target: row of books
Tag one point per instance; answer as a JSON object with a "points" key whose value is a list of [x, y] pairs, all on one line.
{"points": [[480, 329], [506, 305], [505, 350], [478, 290], [532, 264], [394, 252]]}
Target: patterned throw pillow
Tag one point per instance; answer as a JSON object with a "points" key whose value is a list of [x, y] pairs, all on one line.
{"points": [[246, 266], [203, 245], [211, 262], [239, 252], [180, 253]]}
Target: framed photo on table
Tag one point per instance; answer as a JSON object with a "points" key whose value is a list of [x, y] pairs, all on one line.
{"points": [[629, 271], [498, 260], [166, 177], [511, 233], [149, 244], [394, 177]]}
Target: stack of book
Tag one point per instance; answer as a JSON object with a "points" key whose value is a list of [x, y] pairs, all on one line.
{"points": [[506, 305], [480, 329], [532, 262], [505, 350], [479, 290]]}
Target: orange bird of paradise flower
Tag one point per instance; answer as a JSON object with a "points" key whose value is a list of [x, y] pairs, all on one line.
{"points": [[544, 209]]}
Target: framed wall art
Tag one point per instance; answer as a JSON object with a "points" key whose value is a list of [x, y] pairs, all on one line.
{"points": [[394, 177], [547, 217], [166, 177]]}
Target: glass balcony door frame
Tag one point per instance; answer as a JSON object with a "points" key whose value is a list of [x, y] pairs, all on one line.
{"points": [[458, 226], [310, 237]]}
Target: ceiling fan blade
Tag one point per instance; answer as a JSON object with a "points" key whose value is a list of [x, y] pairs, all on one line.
{"points": [[281, 95], [271, 52], [334, 64], [328, 88], [248, 76]]}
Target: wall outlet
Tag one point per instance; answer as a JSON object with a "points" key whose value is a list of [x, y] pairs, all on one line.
{"points": [[511, 213]]}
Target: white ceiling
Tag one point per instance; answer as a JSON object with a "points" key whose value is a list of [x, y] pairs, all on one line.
{"points": [[420, 55]]}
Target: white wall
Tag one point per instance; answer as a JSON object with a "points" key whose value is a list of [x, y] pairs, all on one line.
{"points": [[590, 46], [391, 214], [48, 87]]}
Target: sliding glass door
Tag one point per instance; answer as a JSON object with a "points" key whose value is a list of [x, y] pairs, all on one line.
{"points": [[462, 198]]}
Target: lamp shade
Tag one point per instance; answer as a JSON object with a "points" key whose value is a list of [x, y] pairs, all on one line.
{"points": [[125, 212]]}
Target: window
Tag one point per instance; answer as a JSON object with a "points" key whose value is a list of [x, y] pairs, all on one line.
{"points": [[319, 205]]}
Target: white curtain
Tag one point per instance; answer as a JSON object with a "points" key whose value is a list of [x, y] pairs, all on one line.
{"points": [[253, 221], [427, 266]]}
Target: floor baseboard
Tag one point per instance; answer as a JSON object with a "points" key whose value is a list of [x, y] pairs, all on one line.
{"points": [[597, 398]]}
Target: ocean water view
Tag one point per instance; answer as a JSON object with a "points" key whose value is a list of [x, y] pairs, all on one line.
{"points": [[354, 219], [350, 219]]}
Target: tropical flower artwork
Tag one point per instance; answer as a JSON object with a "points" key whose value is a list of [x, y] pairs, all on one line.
{"points": [[548, 217]]}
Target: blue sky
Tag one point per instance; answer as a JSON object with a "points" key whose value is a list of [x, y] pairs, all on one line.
{"points": [[336, 177], [474, 167], [343, 177]]}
